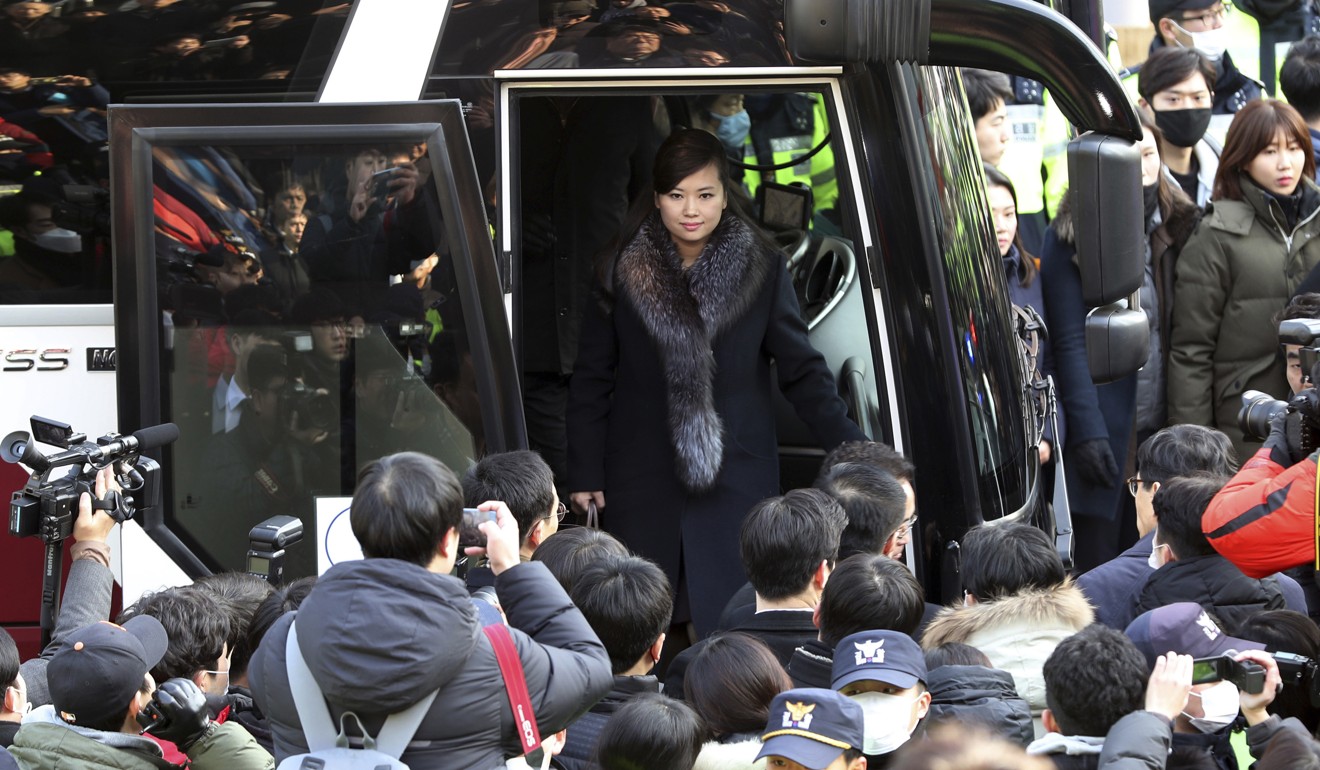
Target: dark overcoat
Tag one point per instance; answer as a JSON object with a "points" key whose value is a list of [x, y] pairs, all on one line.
{"points": [[670, 402]]}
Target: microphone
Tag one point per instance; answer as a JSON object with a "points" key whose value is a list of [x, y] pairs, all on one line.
{"points": [[146, 438]]}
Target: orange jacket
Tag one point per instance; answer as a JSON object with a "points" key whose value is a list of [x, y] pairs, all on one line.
{"points": [[1264, 519]]}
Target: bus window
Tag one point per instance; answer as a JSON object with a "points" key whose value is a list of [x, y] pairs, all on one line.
{"points": [[320, 328], [63, 63], [584, 157]]}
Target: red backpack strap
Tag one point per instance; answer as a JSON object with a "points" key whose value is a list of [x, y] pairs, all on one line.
{"points": [[515, 682]]}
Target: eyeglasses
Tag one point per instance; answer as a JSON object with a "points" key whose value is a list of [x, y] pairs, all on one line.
{"points": [[560, 512], [906, 527], [1133, 484], [1210, 16]]}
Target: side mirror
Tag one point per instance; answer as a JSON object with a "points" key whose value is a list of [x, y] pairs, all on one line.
{"points": [[1104, 174], [1117, 342]]}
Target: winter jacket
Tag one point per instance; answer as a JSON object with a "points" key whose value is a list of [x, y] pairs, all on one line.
{"points": [[783, 631], [1017, 633], [980, 696], [1215, 584], [580, 744], [45, 742], [1139, 740], [730, 756], [812, 665], [380, 634], [1236, 272], [86, 600], [1263, 519]]}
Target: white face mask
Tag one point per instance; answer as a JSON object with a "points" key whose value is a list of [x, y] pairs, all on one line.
{"points": [[887, 721], [61, 240], [1155, 559], [1212, 42], [1219, 704]]}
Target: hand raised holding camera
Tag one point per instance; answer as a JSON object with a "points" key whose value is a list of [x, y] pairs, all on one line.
{"points": [[93, 525], [502, 539], [1169, 685], [1254, 706]]}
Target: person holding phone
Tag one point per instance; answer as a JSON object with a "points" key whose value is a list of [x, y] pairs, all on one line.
{"points": [[671, 430]]}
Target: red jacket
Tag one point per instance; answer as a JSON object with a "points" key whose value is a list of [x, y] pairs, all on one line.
{"points": [[1264, 519]]}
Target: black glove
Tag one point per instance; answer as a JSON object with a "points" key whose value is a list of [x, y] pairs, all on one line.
{"points": [[1094, 461], [1281, 450], [187, 718]]}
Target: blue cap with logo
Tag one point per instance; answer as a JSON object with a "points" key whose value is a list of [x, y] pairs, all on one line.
{"points": [[812, 727], [884, 656], [1185, 628]]}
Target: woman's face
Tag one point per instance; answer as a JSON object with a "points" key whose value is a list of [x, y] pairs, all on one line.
{"points": [[1004, 212], [693, 208], [1150, 159], [1278, 167]]}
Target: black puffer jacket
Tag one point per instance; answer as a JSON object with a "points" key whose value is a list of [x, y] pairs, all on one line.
{"points": [[981, 696], [379, 634], [1215, 584]]}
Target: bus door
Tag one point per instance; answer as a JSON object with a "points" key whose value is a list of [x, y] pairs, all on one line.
{"points": [[381, 330], [575, 150]]}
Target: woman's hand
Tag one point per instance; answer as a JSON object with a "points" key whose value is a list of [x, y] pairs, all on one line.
{"points": [[582, 500]]}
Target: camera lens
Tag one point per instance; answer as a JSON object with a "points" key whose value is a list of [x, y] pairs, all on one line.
{"points": [[1258, 409]]}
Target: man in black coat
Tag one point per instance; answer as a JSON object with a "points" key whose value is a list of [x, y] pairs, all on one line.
{"points": [[789, 545], [381, 633], [1189, 569]]}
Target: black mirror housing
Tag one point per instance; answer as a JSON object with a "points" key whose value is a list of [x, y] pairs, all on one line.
{"points": [[1104, 174], [1117, 342]]}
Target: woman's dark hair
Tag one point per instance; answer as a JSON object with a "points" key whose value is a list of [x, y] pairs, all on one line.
{"points": [[1000, 560], [1168, 66], [1177, 211], [1252, 130], [996, 178], [1287, 631], [284, 600], [684, 153], [573, 549], [731, 682], [955, 654], [651, 732]]}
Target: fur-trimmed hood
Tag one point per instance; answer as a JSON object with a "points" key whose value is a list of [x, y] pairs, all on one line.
{"points": [[730, 756], [684, 312], [1064, 606]]}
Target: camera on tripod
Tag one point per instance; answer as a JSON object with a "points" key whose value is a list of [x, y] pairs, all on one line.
{"points": [[47, 507], [1259, 409]]}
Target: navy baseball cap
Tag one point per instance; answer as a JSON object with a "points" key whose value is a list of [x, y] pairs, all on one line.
{"points": [[812, 727], [1185, 628], [101, 666], [884, 656], [1161, 8]]}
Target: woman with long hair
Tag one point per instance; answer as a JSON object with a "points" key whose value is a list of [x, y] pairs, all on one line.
{"points": [[1246, 258], [1107, 422], [670, 422]]}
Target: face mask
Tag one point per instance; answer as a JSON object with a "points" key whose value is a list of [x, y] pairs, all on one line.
{"points": [[61, 240], [1212, 42], [1154, 560], [733, 129], [1183, 128], [886, 720], [1219, 703], [1150, 198]]}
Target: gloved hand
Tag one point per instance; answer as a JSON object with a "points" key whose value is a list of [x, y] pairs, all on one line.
{"points": [[1094, 461], [187, 718], [1277, 442]]}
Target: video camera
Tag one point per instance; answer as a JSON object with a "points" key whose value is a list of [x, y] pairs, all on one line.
{"points": [[1259, 409], [1296, 671], [84, 208], [47, 507]]}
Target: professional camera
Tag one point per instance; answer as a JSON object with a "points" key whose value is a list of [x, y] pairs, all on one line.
{"points": [[1300, 672], [85, 209], [47, 507], [266, 544], [1259, 409], [310, 407]]}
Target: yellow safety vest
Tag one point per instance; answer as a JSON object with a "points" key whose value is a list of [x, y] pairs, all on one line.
{"points": [[817, 173]]}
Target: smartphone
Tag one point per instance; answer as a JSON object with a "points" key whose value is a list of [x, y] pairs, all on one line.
{"points": [[1247, 675], [380, 183], [469, 534], [48, 81]]}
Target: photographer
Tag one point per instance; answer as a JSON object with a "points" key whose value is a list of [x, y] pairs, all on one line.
{"points": [[102, 690], [87, 591], [381, 633]]}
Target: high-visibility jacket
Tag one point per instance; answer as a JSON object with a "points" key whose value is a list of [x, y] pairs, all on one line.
{"points": [[785, 145]]}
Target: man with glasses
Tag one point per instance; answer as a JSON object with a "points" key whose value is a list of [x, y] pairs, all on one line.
{"points": [[1206, 25], [525, 483], [1175, 452]]}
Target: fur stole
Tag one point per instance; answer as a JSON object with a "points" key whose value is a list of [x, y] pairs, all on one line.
{"points": [[684, 311], [1049, 608]]}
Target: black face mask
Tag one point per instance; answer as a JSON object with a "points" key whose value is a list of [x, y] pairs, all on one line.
{"points": [[1183, 128], [1150, 196]]}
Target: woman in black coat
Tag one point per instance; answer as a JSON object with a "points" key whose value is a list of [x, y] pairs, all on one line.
{"points": [[669, 416], [1107, 422]]}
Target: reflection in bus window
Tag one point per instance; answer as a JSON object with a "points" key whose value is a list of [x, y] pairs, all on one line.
{"points": [[311, 324]]}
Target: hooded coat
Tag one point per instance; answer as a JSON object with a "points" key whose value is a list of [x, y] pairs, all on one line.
{"points": [[1234, 276], [380, 634], [670, 409], [1017, 633], [980, 696]]}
